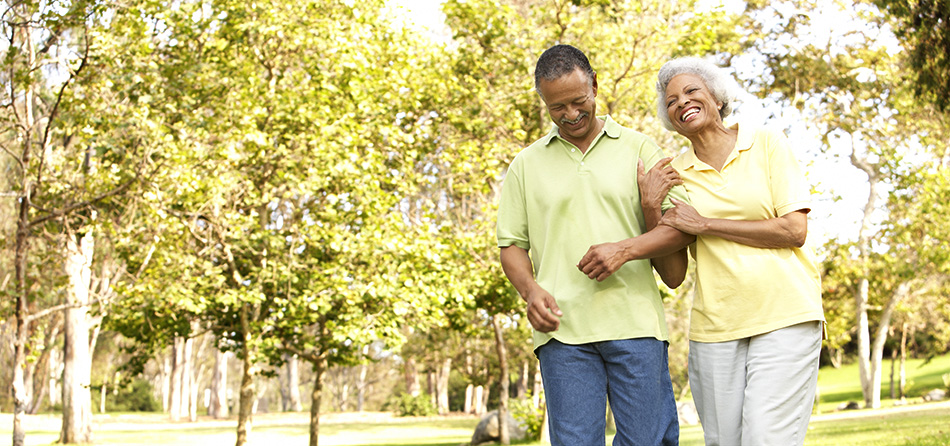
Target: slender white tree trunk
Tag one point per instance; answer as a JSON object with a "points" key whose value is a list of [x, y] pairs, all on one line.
{"points": [[174, 391], [469, 398], [187, 378], [293, 384], [219, 386], [412, 377], [442, 386], [166, 379], [77, 399], [877, 357]]}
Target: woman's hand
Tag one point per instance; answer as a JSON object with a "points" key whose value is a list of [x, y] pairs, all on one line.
{"points": [[657, 182], [685, 218]]}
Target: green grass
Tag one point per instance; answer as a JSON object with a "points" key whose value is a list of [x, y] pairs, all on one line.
{"points": [[916, 424], [841, 385]]}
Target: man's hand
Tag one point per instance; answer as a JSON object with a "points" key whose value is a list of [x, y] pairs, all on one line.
{"points": [[543, 312], [655, 184], [685, 218], [602, 260]]}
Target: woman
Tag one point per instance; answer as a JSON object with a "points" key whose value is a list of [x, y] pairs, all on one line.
{"points": [[756, 324]]}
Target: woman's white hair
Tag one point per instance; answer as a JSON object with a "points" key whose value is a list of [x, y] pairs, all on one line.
{"points": [[722, 86]]}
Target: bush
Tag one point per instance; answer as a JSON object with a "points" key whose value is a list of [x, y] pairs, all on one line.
{"points": [[530, 417], [406, 405], [134, 397]]}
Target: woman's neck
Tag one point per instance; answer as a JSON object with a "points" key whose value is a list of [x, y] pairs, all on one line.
{"points": [[714, 145]]}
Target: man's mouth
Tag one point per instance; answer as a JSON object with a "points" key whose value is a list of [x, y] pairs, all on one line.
{"points": [[575, 121]]}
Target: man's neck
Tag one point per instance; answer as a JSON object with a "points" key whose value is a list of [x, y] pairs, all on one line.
{"points": [[584, 144]]}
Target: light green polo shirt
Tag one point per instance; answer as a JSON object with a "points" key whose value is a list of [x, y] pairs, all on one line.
{"points": [[742, 291], [557, 202]]}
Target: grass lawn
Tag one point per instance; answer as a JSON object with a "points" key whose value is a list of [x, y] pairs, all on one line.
{"points": [[842, 385], [912, 425], [915, 424]]}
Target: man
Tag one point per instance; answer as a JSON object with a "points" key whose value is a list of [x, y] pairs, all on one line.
{"points": [[572, 201]]}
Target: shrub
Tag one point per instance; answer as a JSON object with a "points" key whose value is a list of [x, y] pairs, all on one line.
{"points": [[134, 397], [527, 415], [406, 405]]}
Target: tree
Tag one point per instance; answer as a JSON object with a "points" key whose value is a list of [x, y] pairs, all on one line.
{"points": [[855, 91], [924, 29], [68, 166]]}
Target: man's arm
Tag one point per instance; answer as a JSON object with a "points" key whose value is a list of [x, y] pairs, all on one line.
{"points": [[654, 186], [543, 312], [606, 258]]}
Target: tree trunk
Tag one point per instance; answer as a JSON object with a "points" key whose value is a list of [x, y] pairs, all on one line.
{"points": [[864, 341], [538, 388], [293, 384], [361, 385], [174, 391], [219, 386], [893, 366], [412, 377], [469, 397], [41, 369], [102, 397], [166, 378], [187, 377], [879, 339], [319, 370], [545, 427], [246, 403], [521, 389], [22, 247], [503, 379], [478, 406], [861, 296], [442, 386], [903, 379], [77, 399]]}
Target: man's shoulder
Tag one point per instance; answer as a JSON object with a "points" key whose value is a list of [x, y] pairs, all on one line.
{"points": [[624, 134]]}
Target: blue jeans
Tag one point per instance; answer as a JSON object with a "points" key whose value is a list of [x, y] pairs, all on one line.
{"points": [[633, 372]]}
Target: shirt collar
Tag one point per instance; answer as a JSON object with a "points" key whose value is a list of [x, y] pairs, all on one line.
{"points": [[744, 141], [611, 129]]}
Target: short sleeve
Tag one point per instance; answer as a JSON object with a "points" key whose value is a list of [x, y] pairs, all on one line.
{"points": [[790, 190], [512, 224]]}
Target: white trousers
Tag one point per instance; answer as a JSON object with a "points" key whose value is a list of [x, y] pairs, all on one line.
{"points": [[757, 391]]}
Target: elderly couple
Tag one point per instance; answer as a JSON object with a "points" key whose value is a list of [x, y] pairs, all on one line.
{"points": [[589, 210]]}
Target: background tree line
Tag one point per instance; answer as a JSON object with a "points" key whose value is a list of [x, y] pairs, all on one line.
{"points": [[199, 193]]}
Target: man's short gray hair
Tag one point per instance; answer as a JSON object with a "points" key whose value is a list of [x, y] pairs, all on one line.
{"points": [[722, 86]]}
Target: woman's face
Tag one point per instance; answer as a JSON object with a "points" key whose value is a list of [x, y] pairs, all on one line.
{"points": [[690, 105]]}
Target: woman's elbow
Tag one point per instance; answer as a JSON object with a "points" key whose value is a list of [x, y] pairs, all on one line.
{"points": [[796, 230], [673, 282], [798, 238]]}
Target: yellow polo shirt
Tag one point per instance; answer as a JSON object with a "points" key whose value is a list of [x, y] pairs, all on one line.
{"points": [[742, 291], [557, 202]]}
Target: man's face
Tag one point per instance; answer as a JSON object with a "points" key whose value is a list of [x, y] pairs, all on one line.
{"points": [[571, 103]]}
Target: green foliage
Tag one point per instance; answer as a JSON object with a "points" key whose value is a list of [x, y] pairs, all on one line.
{"points": [[135, 396], [924, 30], [532, 418], [406, 405]]}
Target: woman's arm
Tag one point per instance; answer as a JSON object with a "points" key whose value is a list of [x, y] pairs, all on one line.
{"points": [[787, 231]]}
